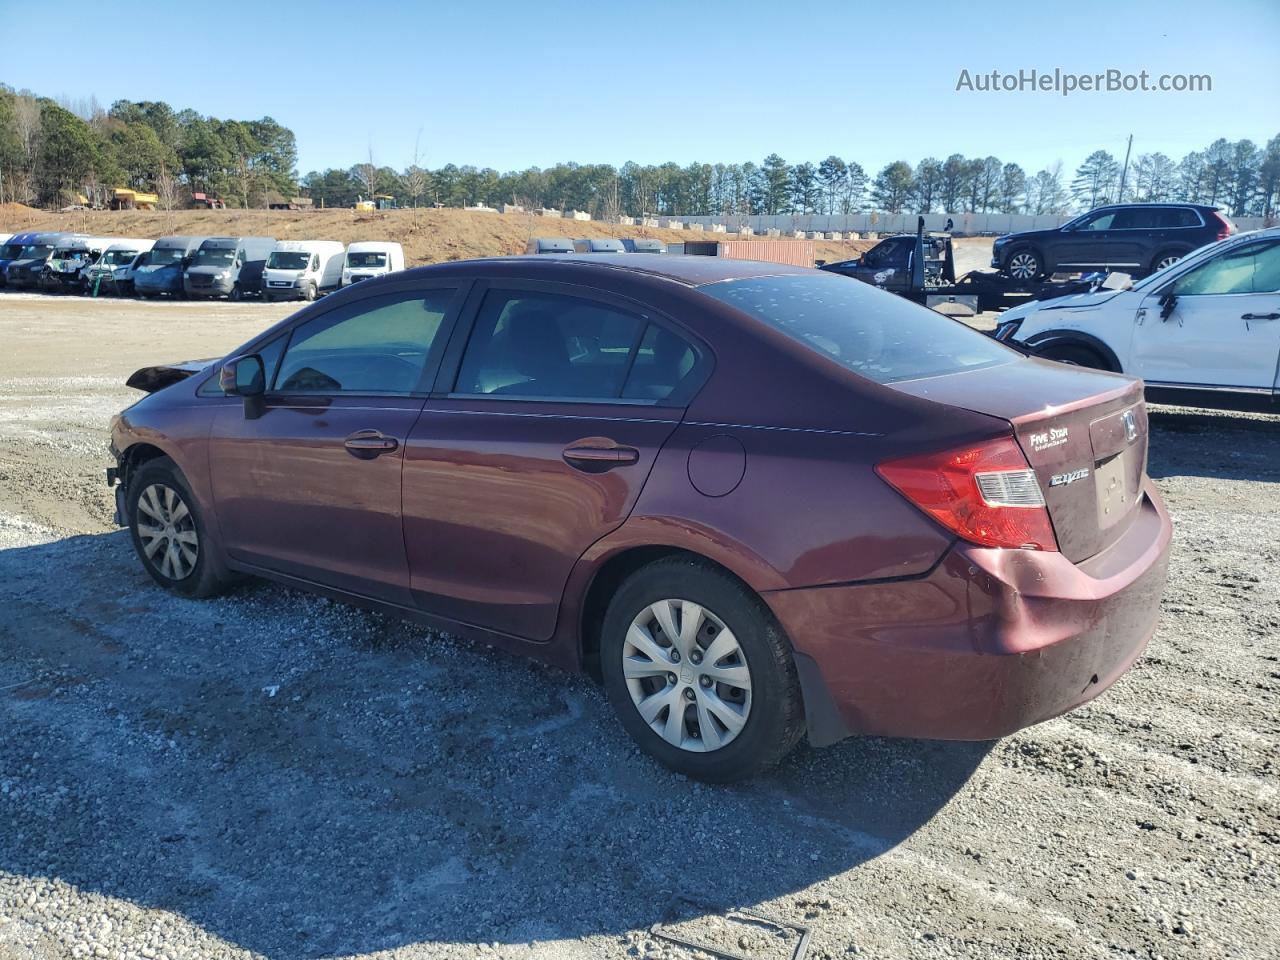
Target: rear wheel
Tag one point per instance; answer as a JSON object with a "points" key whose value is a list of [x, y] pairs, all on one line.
{"points": [[1076, 355], [1024, 264], [1166, 258], [699, 672], [169, 534]]}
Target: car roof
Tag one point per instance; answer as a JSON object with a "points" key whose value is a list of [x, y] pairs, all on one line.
{"points": [[690, 270]]}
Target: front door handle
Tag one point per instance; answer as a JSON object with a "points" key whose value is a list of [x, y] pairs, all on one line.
{"points": [[599, 458], [369, 443], [1260, 316]]}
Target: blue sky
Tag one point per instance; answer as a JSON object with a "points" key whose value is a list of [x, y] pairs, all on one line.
{"points": [[514, 84]]}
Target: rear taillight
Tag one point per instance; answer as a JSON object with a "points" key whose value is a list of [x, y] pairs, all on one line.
{"points": [[1224, 226], [986, 493]]}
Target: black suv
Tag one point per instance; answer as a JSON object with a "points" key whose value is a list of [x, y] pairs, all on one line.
{"points": [[1132, 238]]}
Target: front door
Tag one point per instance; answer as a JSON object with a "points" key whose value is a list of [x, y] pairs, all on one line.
{"points": [[1087, 245], [560, 406], [310, 486], [1222, 328]]}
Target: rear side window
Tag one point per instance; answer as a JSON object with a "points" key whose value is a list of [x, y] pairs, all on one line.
{"points": [[875, 334], [663, 362], [528, 344], [377, 346]]}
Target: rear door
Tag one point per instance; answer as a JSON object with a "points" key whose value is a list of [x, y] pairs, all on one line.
{"points": [[561, 400], [311, 485], [1223, 328]]}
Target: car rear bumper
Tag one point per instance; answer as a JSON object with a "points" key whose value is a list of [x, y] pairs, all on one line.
{"points": [[989, 642]]}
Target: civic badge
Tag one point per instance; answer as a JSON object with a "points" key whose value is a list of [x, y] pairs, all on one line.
{"points": [[1130, 426]]}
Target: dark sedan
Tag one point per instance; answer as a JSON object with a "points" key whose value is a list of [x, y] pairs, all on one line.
{"points": [[758, 501], [1133, 238]]}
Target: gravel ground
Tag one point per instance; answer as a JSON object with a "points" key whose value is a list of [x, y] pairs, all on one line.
{"points": [[272, 774]]}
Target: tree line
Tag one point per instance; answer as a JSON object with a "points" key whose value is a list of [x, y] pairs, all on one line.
{"points": [[1239, 176], [51, 152], [54, 152]]}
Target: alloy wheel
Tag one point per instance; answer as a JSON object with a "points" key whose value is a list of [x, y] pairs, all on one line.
{"points": [[167, 531], [1024, 266], [687, 675], [1167, 261]]}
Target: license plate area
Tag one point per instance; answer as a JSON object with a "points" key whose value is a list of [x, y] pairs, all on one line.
{"points": [[1112, 487]]}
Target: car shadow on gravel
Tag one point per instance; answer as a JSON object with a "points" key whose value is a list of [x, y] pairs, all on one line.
{"points": [[1218, 444], [304, 779]]}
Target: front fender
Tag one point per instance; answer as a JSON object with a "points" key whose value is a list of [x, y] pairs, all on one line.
{"points": [[1053, 338]]}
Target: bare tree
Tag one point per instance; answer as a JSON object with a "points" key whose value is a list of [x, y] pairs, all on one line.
{"points": [[367, 174], [416, 179], [27, 121], [167, 191]]}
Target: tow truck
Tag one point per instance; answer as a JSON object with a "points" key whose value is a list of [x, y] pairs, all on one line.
{"points": [[922, 268]]}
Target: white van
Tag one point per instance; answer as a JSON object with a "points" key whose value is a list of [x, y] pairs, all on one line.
{"points": [[302, 269], [371, 258], [113, 272]]}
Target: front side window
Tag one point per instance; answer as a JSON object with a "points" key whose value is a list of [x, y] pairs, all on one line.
{"points": [[1251, 268], [875, 334], [547, 345], [378, 346], [1102, 221]]}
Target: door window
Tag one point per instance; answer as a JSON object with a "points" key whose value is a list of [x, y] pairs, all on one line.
{"points": [[531, 344], [1253, 268], [378, 346], [1102, 221], [663, 362]]}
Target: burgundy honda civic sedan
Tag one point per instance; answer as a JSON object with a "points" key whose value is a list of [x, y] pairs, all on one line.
{"points": [[759, 502]]}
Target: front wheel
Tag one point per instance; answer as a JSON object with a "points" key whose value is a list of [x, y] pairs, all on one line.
{"points": [[236, 293], [309, 292], [699, 672], [169, 534], [1074, 355], [1024, 265]]}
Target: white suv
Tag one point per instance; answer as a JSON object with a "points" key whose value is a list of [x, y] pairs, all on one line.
{"points": [[1205, 330]]}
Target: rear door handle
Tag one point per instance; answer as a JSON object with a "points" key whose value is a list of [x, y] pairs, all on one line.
{"points": [[369, 443], [1260, 316], [600, 458]]}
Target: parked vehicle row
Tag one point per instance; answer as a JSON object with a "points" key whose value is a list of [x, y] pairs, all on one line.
{"points": [[191, 267]]}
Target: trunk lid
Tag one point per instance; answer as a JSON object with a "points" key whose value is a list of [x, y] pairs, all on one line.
{"points": [[1084, 433]]}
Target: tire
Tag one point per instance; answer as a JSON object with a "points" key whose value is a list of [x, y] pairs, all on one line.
{"points": [[769, 707], [1075, 355], [183, 556], [1024, 264], [309, 292], [1164, 258], [236, 294]]}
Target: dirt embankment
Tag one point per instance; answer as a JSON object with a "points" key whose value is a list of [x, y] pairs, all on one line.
{"points": [[428, 236]]}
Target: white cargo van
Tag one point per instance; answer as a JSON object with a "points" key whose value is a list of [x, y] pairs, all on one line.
{"points": [[371, 258], [302, 269], [113, 273]]}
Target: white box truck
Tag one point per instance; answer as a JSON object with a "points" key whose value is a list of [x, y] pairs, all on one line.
{"points": [[302, 269], [367, 259]]}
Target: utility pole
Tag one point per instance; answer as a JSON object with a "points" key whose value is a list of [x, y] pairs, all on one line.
{"points": [[1124, 173]]}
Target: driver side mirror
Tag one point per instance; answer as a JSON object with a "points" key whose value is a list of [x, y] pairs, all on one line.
{"points": [[245, 377], [1167, 303]]}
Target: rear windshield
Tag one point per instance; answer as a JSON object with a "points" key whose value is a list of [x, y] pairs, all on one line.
{"points": [[875, 334]]}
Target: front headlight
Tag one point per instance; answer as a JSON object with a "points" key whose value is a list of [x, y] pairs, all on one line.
{"points": [[223, 275]]}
